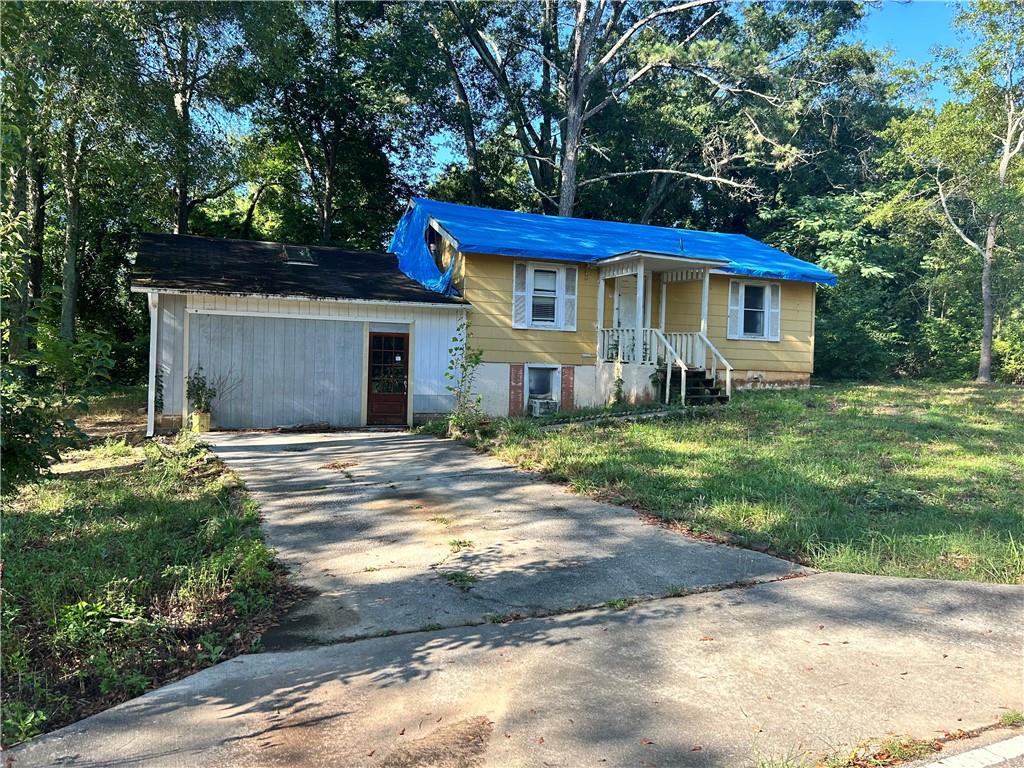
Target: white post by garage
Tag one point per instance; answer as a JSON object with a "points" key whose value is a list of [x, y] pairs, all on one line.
{"points": [[153, 301], [600, 319]]}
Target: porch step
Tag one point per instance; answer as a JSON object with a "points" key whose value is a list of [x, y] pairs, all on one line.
{"points": [[700, 388]]}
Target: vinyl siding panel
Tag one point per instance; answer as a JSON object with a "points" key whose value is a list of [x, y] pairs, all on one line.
{"points": [[230, 335], [487, 284], [170, 340], [283, 388], [792, 353]]}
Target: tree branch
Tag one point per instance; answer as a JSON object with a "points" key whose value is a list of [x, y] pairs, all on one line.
{"points": [[626, 36], [713, 179], [952, 221]]}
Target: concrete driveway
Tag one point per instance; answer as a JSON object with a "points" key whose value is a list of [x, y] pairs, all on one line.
{"points": [[392, 532], [731, 679]]}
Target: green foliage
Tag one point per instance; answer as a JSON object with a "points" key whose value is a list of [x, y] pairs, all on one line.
{"points": [[115, 581], [1009, 349], [34, 432], [75, 366], [199, 391], [463, 365]]}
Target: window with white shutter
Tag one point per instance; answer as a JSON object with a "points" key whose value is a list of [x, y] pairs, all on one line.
{"points": [[754, 310], [569, 300], [544, 296], [775, 312], [519, 318], [735, 309]]}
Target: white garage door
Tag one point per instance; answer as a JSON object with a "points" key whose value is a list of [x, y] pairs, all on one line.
{"points": [[275, 372]]}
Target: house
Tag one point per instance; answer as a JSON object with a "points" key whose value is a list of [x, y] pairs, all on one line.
{"points": [[567, 312], [574, 310], [291, 335]]}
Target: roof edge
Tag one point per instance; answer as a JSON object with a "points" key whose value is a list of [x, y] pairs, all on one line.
{"points": [[456, 302]]}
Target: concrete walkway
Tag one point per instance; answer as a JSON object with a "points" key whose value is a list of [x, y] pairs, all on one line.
{"points": [[728, 678], [392, 532]]}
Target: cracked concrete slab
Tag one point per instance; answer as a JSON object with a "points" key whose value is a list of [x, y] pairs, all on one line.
{"points": [[394, 532], [782, 670]]}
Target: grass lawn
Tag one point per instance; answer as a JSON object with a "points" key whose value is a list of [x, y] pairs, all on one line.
{"points": [[904, 479], [133, 566]]}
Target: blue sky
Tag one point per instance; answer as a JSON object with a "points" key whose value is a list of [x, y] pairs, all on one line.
{"points": [[912, 30]]}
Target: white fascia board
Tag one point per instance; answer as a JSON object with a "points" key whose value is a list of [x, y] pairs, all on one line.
{"points": [[661, 260], [458, 307], [443, 232]]}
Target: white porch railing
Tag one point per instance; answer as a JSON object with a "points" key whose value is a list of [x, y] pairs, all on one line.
{"points": [[688, 350]]}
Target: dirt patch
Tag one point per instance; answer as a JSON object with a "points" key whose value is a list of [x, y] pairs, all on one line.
{"points": [[131, 425], [338, 465], [898, 410], [428, 506], [459, 745]]}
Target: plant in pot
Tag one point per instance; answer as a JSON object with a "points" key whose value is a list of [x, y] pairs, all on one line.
{"points": [[200, 393]]}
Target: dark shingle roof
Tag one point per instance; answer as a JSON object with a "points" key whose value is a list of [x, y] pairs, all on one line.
{"points": [[189, 263]]}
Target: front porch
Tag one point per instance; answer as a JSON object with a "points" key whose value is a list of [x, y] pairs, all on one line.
{"points": [[629, 334]]}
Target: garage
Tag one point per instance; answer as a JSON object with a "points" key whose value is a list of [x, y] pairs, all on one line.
{"points": [[276, 371], [292, 336]]}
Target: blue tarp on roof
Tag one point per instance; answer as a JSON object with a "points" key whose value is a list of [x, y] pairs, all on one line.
{"points": [[533, 236]]}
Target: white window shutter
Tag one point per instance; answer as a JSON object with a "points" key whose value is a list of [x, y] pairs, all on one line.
{"points": [[569, 300], [519, 319], [775, 312], [735, 309]]}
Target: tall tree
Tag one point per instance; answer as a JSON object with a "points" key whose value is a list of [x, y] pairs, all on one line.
{"points": [[324, 81], [187, 53], [561, 66], [972, 150]]}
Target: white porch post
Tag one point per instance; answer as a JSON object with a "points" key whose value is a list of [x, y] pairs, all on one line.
{"points": [[704, 302], [704, 316], [638, 340], [153, 301], [600, 319], [661, 305]]}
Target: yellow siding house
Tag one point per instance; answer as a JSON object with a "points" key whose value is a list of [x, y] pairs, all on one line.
{"points": [[572, 312]]}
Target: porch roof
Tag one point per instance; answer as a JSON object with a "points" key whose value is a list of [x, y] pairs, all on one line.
{"points": [[533, 236]]}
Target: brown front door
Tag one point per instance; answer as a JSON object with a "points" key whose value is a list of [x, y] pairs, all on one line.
{"points": [[388, 393]]}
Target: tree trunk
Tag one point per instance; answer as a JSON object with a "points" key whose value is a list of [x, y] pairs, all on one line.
{"points": [[69, 270], [327, 209], [656, 194], [987, 302], [19, 208], [250, 211], [181, 203], [181, 176], [476, 194], [38, 197], [570, 159]]}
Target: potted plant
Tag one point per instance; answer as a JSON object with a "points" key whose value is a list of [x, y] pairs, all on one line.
{"points": [[200, 393]]}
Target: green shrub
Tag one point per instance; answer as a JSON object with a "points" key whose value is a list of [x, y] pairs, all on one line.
{"points": [[1008, 350], [33, 428]]}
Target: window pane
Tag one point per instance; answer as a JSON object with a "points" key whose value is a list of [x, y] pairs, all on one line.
{"points": [[754, 297], [544, 280], [544, 309], [540, 382], [753, 322]]}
